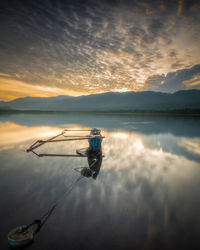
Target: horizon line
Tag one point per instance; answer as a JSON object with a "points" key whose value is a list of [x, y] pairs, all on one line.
{"points": [[100, 93]]}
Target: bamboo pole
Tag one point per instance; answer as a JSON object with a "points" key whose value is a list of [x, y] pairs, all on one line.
{"points": [[60, 155], [39, 143]]}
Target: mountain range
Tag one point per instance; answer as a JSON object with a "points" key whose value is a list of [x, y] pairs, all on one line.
{"points": [[110, 101]]}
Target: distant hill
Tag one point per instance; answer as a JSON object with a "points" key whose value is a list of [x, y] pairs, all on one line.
{"points": [[111, 101]]}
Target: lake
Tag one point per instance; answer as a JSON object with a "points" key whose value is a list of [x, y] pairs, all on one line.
{"points": [[146, 195]]}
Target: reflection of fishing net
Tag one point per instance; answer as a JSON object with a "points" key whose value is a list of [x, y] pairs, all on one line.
{"points": [[82, 151]]}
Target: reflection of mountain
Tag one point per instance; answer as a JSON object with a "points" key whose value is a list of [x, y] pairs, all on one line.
{"points": [[180, 126], [147, 100]]}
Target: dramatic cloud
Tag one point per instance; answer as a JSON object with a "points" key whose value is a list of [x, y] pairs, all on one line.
{"points": [[178, 80], [96, 46]]}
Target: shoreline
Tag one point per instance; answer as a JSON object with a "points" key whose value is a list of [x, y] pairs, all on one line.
{"points": [[181, 112]]}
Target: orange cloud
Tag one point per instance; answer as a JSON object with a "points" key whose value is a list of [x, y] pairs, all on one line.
{"points": [[194, 81], [11, 89]]}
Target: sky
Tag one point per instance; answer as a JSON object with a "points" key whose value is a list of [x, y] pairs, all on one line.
{"points": [[50, 48]]}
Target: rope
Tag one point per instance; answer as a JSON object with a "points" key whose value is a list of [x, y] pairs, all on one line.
{"points": [[42, 220], [45, 216]]}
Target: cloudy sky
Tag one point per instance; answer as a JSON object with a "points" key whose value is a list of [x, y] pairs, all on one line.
{"points": [[50, 48]]}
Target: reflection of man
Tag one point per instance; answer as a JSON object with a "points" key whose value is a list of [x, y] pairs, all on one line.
{"points": [[94, 155], [94, 162]]}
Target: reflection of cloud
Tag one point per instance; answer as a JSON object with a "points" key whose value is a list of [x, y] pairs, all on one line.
{"points": [[142, 189], [124, 148], [192, 145], [12, 133], [121, 147], [120, 135], [180, 7]]}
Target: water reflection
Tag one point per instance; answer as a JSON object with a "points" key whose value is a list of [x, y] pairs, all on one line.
{"points": [[146, 195], [178, 126], [12, 133]]}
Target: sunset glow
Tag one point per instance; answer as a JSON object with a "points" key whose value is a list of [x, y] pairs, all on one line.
{"points": [[72, 48]]}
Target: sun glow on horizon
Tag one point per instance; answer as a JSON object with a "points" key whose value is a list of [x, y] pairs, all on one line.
{"points": [[122, 90], [11, 89]]}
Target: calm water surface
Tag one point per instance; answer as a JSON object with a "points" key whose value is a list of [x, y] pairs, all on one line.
{"points": [[146, 195]]}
